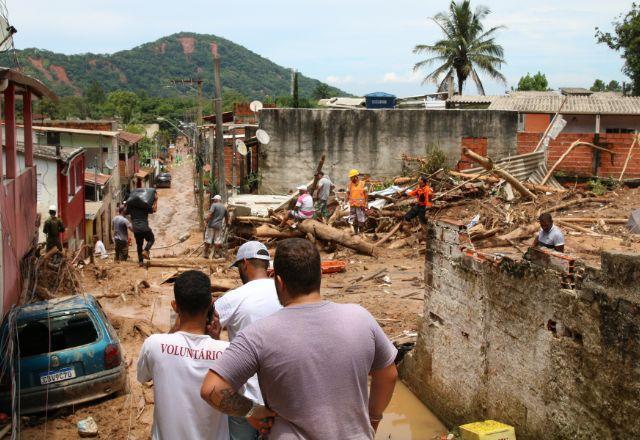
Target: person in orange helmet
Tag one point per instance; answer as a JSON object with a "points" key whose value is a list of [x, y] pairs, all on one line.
{"points": [[357, 196]]}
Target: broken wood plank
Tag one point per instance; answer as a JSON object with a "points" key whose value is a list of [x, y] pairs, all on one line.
{"points": [[389, 235], [328, 233], [488, 165], [613, 221]]}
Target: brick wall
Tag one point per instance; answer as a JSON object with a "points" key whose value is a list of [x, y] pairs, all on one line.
{"points": [[549, 345], [478, 145], [580, 160]]}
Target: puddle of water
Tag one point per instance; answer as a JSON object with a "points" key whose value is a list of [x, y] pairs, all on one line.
{"points": [[406, 418]]}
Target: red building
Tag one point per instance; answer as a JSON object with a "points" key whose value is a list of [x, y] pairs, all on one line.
{"points": [[18, 199]]}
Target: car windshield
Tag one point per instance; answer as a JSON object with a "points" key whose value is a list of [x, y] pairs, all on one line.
{"points": [[56, 333]]}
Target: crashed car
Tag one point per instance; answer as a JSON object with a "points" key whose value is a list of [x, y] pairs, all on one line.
{"points": [[68, 352], [163, 180]]}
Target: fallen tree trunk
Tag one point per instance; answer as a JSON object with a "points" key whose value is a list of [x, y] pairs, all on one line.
{"points": [[267, 231], [487, 164], [328, 233], [249, 219], [389, 235]]}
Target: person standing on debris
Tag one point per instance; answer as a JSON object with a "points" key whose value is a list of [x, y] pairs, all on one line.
{"points": [[304, 206], [99, 250], [550, 236], [53, 228], [313, 359], [237, 309], [178, 362], [217, 222], [324, 188], [423, 195], [141, 229], [121, 227], [357, 196]]}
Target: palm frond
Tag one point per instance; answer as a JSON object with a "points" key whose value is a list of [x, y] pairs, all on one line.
{"points": [[476, 79]]}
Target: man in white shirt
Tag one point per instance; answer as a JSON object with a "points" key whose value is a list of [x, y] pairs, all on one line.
{"points": [[99, 249], [256, 299], [550, 236], [324, 187], [178, 362]]}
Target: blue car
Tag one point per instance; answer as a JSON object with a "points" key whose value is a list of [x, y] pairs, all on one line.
{"points": [[69, 354]]}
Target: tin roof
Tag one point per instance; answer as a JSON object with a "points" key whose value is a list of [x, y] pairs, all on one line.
{"points": [[594, 104], [91, 178]]}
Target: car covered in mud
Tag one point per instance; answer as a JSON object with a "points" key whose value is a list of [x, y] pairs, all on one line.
{"points": [[66, 352], [163, 180]]}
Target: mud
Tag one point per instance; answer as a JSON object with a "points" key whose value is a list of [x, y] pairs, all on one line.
{"points": [[397, 303]]}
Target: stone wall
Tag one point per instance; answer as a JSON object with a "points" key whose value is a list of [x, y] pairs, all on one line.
{"points": [[547, 344], [370, 140]]}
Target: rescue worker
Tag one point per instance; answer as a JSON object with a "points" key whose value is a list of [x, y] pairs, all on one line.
{"points": [[423, 195], [357, 196], [53, 228]]}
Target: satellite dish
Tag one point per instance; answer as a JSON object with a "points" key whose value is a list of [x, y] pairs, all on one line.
{"points": [[255, 106], [263, 136], [241, 147], [109, 164], [6, 35]]}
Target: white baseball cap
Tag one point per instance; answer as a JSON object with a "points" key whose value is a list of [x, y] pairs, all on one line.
{"points": [[302, 188], [251, 250], [53, 208], [217, 197]]}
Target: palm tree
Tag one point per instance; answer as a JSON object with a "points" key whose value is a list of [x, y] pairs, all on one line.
{"points": [[466, 49]]}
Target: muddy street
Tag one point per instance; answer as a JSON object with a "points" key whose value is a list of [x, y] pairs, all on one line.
{"points": [[137, 311]]}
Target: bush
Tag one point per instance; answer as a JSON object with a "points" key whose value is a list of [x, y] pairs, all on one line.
{"points": [[597, 187], [435, 159]]}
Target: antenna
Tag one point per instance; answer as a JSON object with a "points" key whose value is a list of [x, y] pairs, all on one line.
{"points": [[263, 136], [241, 147], [6, 35], [255, 106]]}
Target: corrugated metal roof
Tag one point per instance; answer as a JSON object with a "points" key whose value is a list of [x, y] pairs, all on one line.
{"points": [[575, 91], [91, 178], [472, 99], [603, 105], [77, 131], [530, 167], [531, 93]]}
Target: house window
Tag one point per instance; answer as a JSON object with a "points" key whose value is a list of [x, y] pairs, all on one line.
{"points": [[520, 121], [79, 177], [71, 187]]}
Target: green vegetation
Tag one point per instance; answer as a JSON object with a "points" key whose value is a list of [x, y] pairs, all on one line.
{"points": [[537, 82], [626, 39], [600, 86], [465, 50]]}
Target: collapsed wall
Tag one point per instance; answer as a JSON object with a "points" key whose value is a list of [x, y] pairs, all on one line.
{"points": [[548, 345], [372, 140]]}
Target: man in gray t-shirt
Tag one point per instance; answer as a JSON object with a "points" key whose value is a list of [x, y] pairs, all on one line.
{"points": [[121, 227], [313, 359], [217, 219], [324, 188]]}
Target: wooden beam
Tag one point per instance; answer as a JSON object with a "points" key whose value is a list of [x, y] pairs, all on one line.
{"points": [[10, 131]]}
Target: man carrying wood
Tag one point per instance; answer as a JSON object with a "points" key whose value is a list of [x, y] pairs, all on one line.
{"points": [[357, 196], [424, 196], [550, 236]]}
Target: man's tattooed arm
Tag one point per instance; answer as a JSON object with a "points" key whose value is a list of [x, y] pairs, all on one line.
{"points": [[219, 394]]}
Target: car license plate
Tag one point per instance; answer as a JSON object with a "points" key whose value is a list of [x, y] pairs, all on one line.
{"points": [[57, 376]]}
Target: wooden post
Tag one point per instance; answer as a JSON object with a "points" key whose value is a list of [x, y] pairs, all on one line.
{"points": [[10, 131], [27, 117], [199, 155], [217, 101]]}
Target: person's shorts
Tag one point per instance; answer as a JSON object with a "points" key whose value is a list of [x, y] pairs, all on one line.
{"points": [[321, 209], [356, 213], [214, 236], [417, 211]]}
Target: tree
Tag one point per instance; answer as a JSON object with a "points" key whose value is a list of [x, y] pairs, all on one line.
{"points": [[322, 91], [598, 86], [466, 50], [614, 86], [294, 96], [537, 82], [124, 104], [626, 39], [95, 94]]}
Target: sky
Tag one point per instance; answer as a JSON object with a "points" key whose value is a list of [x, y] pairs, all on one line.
{"points": [[360, 46]]}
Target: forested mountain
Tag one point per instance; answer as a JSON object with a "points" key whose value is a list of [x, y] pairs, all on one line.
{"points": [[150, 68]]}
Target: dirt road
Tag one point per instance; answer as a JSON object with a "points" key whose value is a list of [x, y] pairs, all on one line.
{"points": [[395, 301]]}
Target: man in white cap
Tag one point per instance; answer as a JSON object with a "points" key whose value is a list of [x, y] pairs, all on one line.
{"points": [[53, 228], [236, 309], [304, 206], [217, 221]]}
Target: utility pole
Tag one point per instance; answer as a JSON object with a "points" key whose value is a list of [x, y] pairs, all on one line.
{"points": [[217, 103]]}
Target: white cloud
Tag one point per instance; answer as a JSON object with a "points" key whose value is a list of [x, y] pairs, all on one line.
{"points": [[394, 78], [337, 80]]}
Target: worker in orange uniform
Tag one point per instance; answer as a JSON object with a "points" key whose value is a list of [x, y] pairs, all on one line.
{"points": [[424, 196], [357, 196]]}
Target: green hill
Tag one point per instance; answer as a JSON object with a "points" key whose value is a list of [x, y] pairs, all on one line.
{"points": [[151, 67]]}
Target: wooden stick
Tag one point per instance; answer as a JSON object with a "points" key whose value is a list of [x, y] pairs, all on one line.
{"points": [[626, 162], [312, 188], [553, 120], [389, 235], [613, 221], [576, 227], [576, 202], [476, 177], [566, 153], [488, 165]]}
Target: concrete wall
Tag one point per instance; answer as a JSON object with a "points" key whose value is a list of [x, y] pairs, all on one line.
{"points": [[548, 345], [370, 140]]}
